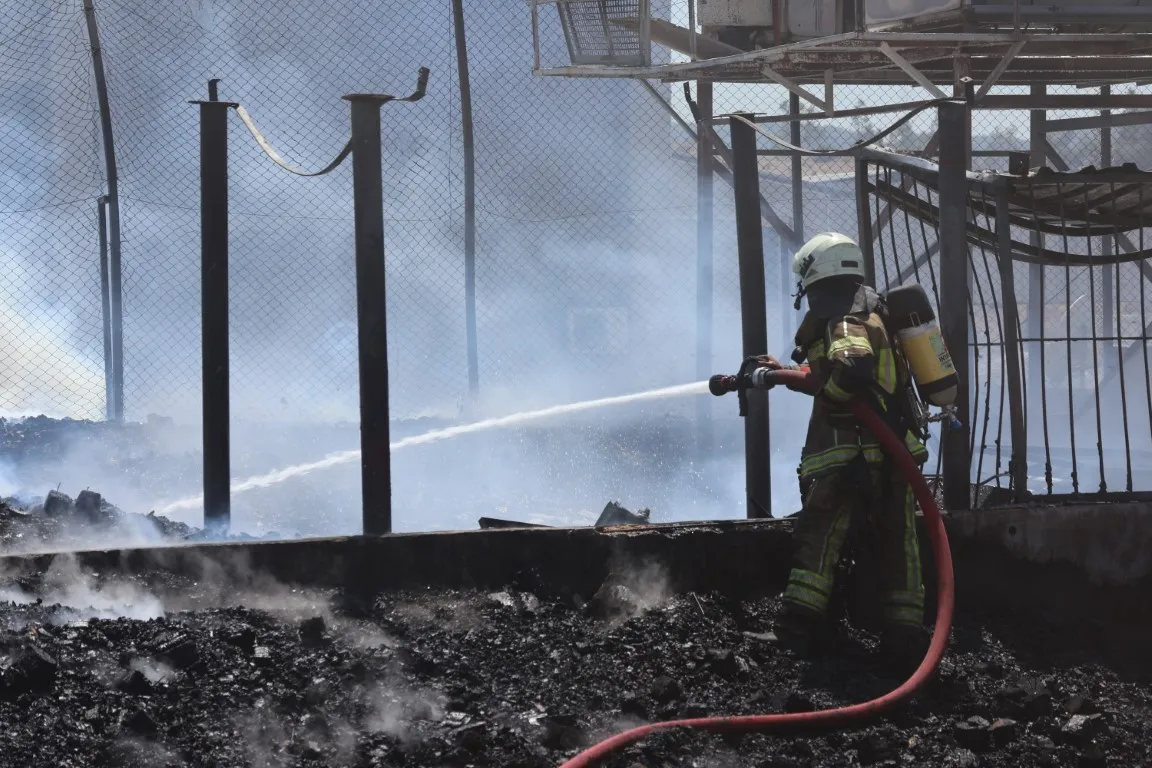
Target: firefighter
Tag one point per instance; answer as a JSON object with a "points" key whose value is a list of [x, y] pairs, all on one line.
{"points": [[843, 469]]}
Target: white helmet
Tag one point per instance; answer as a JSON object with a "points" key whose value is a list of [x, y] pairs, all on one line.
{"points": [[827, 255]]}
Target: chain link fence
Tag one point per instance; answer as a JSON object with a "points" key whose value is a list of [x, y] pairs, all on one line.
{"points": [[51, 340], [585, 209]]}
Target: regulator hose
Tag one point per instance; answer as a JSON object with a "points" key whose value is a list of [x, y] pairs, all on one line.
{"points": [[801, 380]]}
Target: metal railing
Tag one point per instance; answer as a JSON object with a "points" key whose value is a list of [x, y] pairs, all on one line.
{"points": [[1056, 313]]}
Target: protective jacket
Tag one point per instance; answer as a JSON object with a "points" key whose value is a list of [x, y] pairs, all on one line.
{"points": [[846, 344], [848, 348]]}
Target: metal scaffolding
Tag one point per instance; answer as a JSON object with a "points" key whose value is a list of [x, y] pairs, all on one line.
{"points": [[961, 60]]}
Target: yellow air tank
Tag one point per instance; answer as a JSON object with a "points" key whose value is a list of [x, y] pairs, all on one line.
{"points": [[911, 318]]}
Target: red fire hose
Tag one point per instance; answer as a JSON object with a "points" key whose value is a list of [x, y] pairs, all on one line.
{"points": [[802, 381]]}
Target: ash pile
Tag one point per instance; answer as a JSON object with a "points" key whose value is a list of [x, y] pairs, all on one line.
{"points": [[523, 680], [89, 520]]}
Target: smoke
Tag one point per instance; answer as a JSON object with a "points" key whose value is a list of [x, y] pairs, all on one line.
{"points": [[393, 708], [85, 595], [585, 269], [632, 589], [44, 371]]}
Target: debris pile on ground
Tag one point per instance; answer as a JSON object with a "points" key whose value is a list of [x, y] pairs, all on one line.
{"points": [[88, 520], [517, 680]]}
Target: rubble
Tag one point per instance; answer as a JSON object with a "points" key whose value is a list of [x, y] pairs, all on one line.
{"points": [[59, 521], [465, 679]]}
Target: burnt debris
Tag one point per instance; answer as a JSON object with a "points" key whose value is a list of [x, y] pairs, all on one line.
{"points": [[58, 519], [475, 678]]}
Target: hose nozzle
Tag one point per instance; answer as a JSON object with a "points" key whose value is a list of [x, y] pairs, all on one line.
{"points": [[722, 384]]}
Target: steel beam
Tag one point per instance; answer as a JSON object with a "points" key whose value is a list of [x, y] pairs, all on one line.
{"points": [[1018, 464], [795, 137], [371, 313], [864, 233], [954, 272], [779, 79], [1038, 145], [909, 69], [105, 313], [214, 236], [1068, 101], [753, 311], [1106, 283], [469, 199], [705, 271], [1069, 14], [115, 278], [998, 71], [1096, 122]]}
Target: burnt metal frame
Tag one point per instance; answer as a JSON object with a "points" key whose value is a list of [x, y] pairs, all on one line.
{"points": [[753, 313], [1000, 188], [909, 53], [997, 58], [1039, 100]]}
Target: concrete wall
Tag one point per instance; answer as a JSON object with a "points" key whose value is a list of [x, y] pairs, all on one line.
{"points": [[1108, 543], [1067, 562]]}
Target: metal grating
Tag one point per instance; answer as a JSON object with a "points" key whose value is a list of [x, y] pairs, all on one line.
{"points": [[1058, 305], [606, 31]]}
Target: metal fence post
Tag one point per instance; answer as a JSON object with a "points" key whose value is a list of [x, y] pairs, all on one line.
{"points": [[469, 199], [1018, 463], [371, 312], [214, 310], [105, 309], [954, 274], [753, 310], [115, 282], [864, 219], [1034, 322], [787, 249], [705, 287], [1107, 290]]}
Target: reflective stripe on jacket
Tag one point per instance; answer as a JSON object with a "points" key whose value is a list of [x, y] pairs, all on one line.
{"points": [[848, 354]]}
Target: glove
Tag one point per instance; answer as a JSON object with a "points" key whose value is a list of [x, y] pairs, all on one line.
{"points": [[769, 362]]}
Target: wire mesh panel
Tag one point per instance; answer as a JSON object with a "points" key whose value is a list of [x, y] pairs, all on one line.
{"points": [[292, 307], [612, 32], [1079, 306], [51, 345], [585, 219]]}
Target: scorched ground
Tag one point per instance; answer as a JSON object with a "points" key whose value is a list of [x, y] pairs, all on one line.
{"points": [[514, 679]]}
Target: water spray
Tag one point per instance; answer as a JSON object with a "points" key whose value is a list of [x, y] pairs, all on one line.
{"points": [[436, 435]]}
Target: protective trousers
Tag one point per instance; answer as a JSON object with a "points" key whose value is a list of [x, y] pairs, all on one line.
{"points": [[823, 527]]}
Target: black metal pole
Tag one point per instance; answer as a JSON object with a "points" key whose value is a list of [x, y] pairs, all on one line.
{"points": [[115, 282], [796, 137], [1034, 322], [371, 313], [705, 198], [214, 310], [1107, 291], [753, 310], [105, 313], [1019, 460], [864, 220], [954, 271], [469, 200]]}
